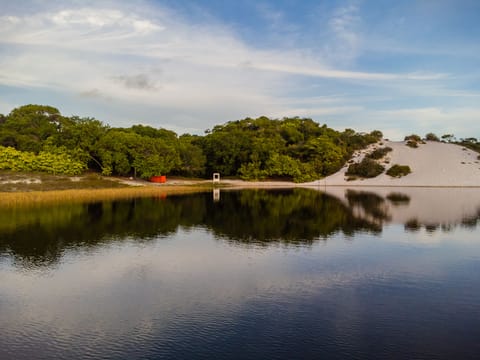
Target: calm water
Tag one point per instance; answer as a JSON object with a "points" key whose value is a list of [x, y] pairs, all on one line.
{"points": [[257, 274]]}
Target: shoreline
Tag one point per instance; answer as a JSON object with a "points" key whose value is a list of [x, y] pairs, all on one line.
{"points": [[433, 164], [141, 188]]}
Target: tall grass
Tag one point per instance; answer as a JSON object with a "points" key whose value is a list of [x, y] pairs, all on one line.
{"points": [[35, 198]]}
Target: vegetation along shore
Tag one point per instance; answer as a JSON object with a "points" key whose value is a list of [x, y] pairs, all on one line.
{"points": [[43, 151]]}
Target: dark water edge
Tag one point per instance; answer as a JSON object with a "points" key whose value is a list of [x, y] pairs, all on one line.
{"points": [[292, 274]]}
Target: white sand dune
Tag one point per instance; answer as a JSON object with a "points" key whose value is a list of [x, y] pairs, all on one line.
{"points": [[432, 164]]}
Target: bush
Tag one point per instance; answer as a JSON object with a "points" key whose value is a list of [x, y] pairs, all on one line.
{"points": [[412, 144], [399, 170], [53, 163], [367, 168], [379, 153], [413, 140], [377, 134], [413, 137], [431, 137]]}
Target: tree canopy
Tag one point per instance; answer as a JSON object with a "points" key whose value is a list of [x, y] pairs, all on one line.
{"points": [[293, 148]]}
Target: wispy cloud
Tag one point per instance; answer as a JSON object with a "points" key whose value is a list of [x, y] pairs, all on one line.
{"points": [[317, 112], [101, 30], [72, 28], [345, 28], [144, 61], [324, 72]]}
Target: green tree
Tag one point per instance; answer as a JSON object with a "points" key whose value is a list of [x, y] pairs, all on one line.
{"points": [[325, 156], [81, 137], [151, 132], [448, 137], [117, 149], [284, 166], [192, 158], [26, 127], [154, 157]]}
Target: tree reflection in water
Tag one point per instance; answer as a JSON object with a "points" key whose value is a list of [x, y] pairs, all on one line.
{"points": [[293, 217]]}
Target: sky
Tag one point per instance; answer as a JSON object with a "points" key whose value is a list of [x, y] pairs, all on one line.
{"points": [[401, 66]]}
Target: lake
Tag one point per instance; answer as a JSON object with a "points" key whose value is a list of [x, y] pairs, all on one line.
{"points": [[328, 273]]}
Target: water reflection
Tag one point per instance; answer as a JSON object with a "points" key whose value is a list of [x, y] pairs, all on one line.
{"points": [[254, 275], [368, 205], [39, 236], [216, 194], [398, 198], [431, 209]]}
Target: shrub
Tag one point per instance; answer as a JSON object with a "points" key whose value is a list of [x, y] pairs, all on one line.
{"points": [[379, 153], [448, 138], [367, 168], [431, 137], [413, 140], [413, 137], [412, 144], [377, 134], [54, 163], [399, 170]]}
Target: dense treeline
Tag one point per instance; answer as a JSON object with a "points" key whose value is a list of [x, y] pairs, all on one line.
{"points": [[38, 138], [293, 148]]}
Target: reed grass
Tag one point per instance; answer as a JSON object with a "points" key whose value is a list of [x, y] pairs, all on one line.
{"points": [[38, 198]]}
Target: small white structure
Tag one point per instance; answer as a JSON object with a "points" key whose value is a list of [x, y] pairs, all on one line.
{"points": [[216, 177]]}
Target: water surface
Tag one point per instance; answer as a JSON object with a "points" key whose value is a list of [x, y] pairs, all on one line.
{"points": [[284, 274]]}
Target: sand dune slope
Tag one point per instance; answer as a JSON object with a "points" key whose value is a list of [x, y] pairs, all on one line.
{"points": [[432, 164]]}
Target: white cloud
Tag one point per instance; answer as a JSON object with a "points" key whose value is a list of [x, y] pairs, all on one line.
{"points": [[345, 25], [73, 27], [118, 32], [153, 64], [316, 112]]}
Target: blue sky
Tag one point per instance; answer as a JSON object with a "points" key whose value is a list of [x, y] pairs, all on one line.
{"points": [[399, 66]]}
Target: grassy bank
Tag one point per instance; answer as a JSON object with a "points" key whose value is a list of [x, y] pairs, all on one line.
{"points": [[12, 181], [30, 189], [35, 198]]}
